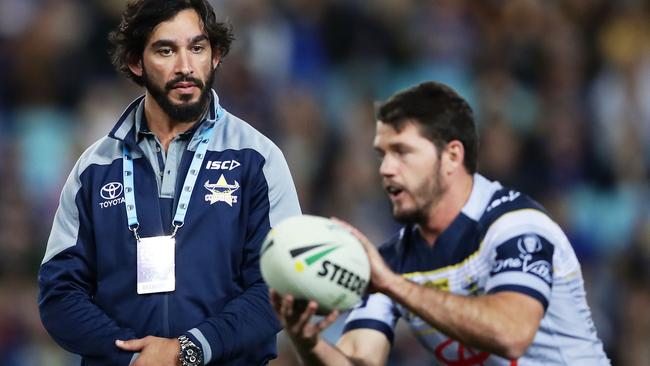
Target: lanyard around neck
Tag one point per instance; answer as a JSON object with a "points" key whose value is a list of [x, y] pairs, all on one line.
{"points": [[204, 136]]}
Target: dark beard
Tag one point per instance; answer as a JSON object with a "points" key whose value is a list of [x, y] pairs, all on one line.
{"points": [[188, 112], [421, 215], [412, 217]]}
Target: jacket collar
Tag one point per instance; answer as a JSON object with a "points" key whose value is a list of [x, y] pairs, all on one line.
{"points": [[125, 128]]}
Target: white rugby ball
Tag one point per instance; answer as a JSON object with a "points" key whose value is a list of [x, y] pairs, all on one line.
{"points": [[314, 258]]}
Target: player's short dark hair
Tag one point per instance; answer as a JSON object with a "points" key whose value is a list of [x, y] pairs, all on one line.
{"points": [[441, 114], [140, 18]]}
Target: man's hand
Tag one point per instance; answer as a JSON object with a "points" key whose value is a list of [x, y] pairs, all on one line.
{"points": [[295, 319], [381, 276], [154, 351]]}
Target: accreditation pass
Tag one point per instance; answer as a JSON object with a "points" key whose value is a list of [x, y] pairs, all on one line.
{"points": [[156, 267]]}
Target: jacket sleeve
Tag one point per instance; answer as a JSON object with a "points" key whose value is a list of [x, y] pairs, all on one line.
{"points": [[249, 318], [67, 284]]}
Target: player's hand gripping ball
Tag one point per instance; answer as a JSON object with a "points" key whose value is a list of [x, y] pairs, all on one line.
{"points": [[314, 258]]}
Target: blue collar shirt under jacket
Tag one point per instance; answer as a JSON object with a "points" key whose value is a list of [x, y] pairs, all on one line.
{"points": [[87, 279]]}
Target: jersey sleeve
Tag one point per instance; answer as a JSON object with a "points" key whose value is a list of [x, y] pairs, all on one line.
{"points": [[523, 244], [376, 311]]}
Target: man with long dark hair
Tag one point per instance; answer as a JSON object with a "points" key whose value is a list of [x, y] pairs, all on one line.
{"points": [[153, 258]]}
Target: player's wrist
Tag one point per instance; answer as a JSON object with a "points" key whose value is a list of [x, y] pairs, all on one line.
{"points": [[313, 351], [305, 345], [177, 351], [393, 285]]}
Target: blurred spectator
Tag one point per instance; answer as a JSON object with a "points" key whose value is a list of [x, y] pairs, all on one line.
{"points": [[634, 322]]}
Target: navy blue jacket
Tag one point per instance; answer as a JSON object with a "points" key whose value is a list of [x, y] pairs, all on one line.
{"points": [[87, 279]]}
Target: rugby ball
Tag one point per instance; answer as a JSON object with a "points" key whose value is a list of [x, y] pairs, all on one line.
{"points": [[315, 258]]}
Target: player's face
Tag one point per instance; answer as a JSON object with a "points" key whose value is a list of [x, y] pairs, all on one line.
{"points": [[410, 170], [178, 66]]}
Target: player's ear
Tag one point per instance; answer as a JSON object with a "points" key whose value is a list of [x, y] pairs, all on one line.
{"points": [[452, 157], [216, 59], [136, 67]]}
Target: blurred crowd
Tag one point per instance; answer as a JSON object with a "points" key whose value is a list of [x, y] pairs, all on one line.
{"points": [[560, 90]]}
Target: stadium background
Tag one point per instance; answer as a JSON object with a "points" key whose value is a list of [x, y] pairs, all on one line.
{"points": [[561, 91]]}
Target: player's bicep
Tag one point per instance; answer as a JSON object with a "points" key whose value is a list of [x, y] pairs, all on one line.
{"points": [[367, 347], [524, 310]]}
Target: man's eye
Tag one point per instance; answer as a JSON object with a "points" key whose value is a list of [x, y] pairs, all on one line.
{"points": [[197, 48], [165, 51]]}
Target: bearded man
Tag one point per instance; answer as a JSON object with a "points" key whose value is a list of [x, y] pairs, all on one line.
{"points": [[153, 258]]}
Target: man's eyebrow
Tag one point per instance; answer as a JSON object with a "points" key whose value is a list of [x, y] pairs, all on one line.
{"points": [[170, 43], [163, 43], [199, 38]]}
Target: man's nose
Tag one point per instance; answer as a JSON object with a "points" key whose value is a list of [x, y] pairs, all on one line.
{"points": [[184, 64], [387, 166]]}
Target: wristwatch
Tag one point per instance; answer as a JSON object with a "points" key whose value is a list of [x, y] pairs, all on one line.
{"points": [[190, 354]]}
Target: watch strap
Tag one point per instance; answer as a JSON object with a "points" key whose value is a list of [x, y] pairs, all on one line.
{"points": [[190, 354]]}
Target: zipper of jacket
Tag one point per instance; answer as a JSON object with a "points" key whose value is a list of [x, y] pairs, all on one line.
{"points": [[166, 324], [178, 187], [165, 296]]}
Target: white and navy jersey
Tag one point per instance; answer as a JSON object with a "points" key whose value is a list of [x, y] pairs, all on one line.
{"points": [[501, 241]]}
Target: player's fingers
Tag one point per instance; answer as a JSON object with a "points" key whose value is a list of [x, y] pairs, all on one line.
{"points": [[343, 223], [276, 300], [327, 321], [304, 317], [286, 309], [354, 231]]}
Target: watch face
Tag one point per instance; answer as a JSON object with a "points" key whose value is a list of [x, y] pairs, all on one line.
{"points": [[192, 356]]}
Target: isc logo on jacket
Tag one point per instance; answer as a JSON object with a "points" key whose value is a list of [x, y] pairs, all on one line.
{"points": [[222, 165]]}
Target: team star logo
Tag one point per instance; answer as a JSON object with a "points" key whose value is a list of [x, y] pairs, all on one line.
{"points": [[221, 191]]}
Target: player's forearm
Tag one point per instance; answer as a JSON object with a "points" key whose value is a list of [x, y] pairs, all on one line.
{"points": [[487, 322], [323, 354]]}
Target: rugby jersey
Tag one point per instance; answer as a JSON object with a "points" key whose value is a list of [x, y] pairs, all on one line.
{"points": [[501, 241]]}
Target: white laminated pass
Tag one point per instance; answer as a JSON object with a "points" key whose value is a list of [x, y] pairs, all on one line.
{"points": [[156, 268]]}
